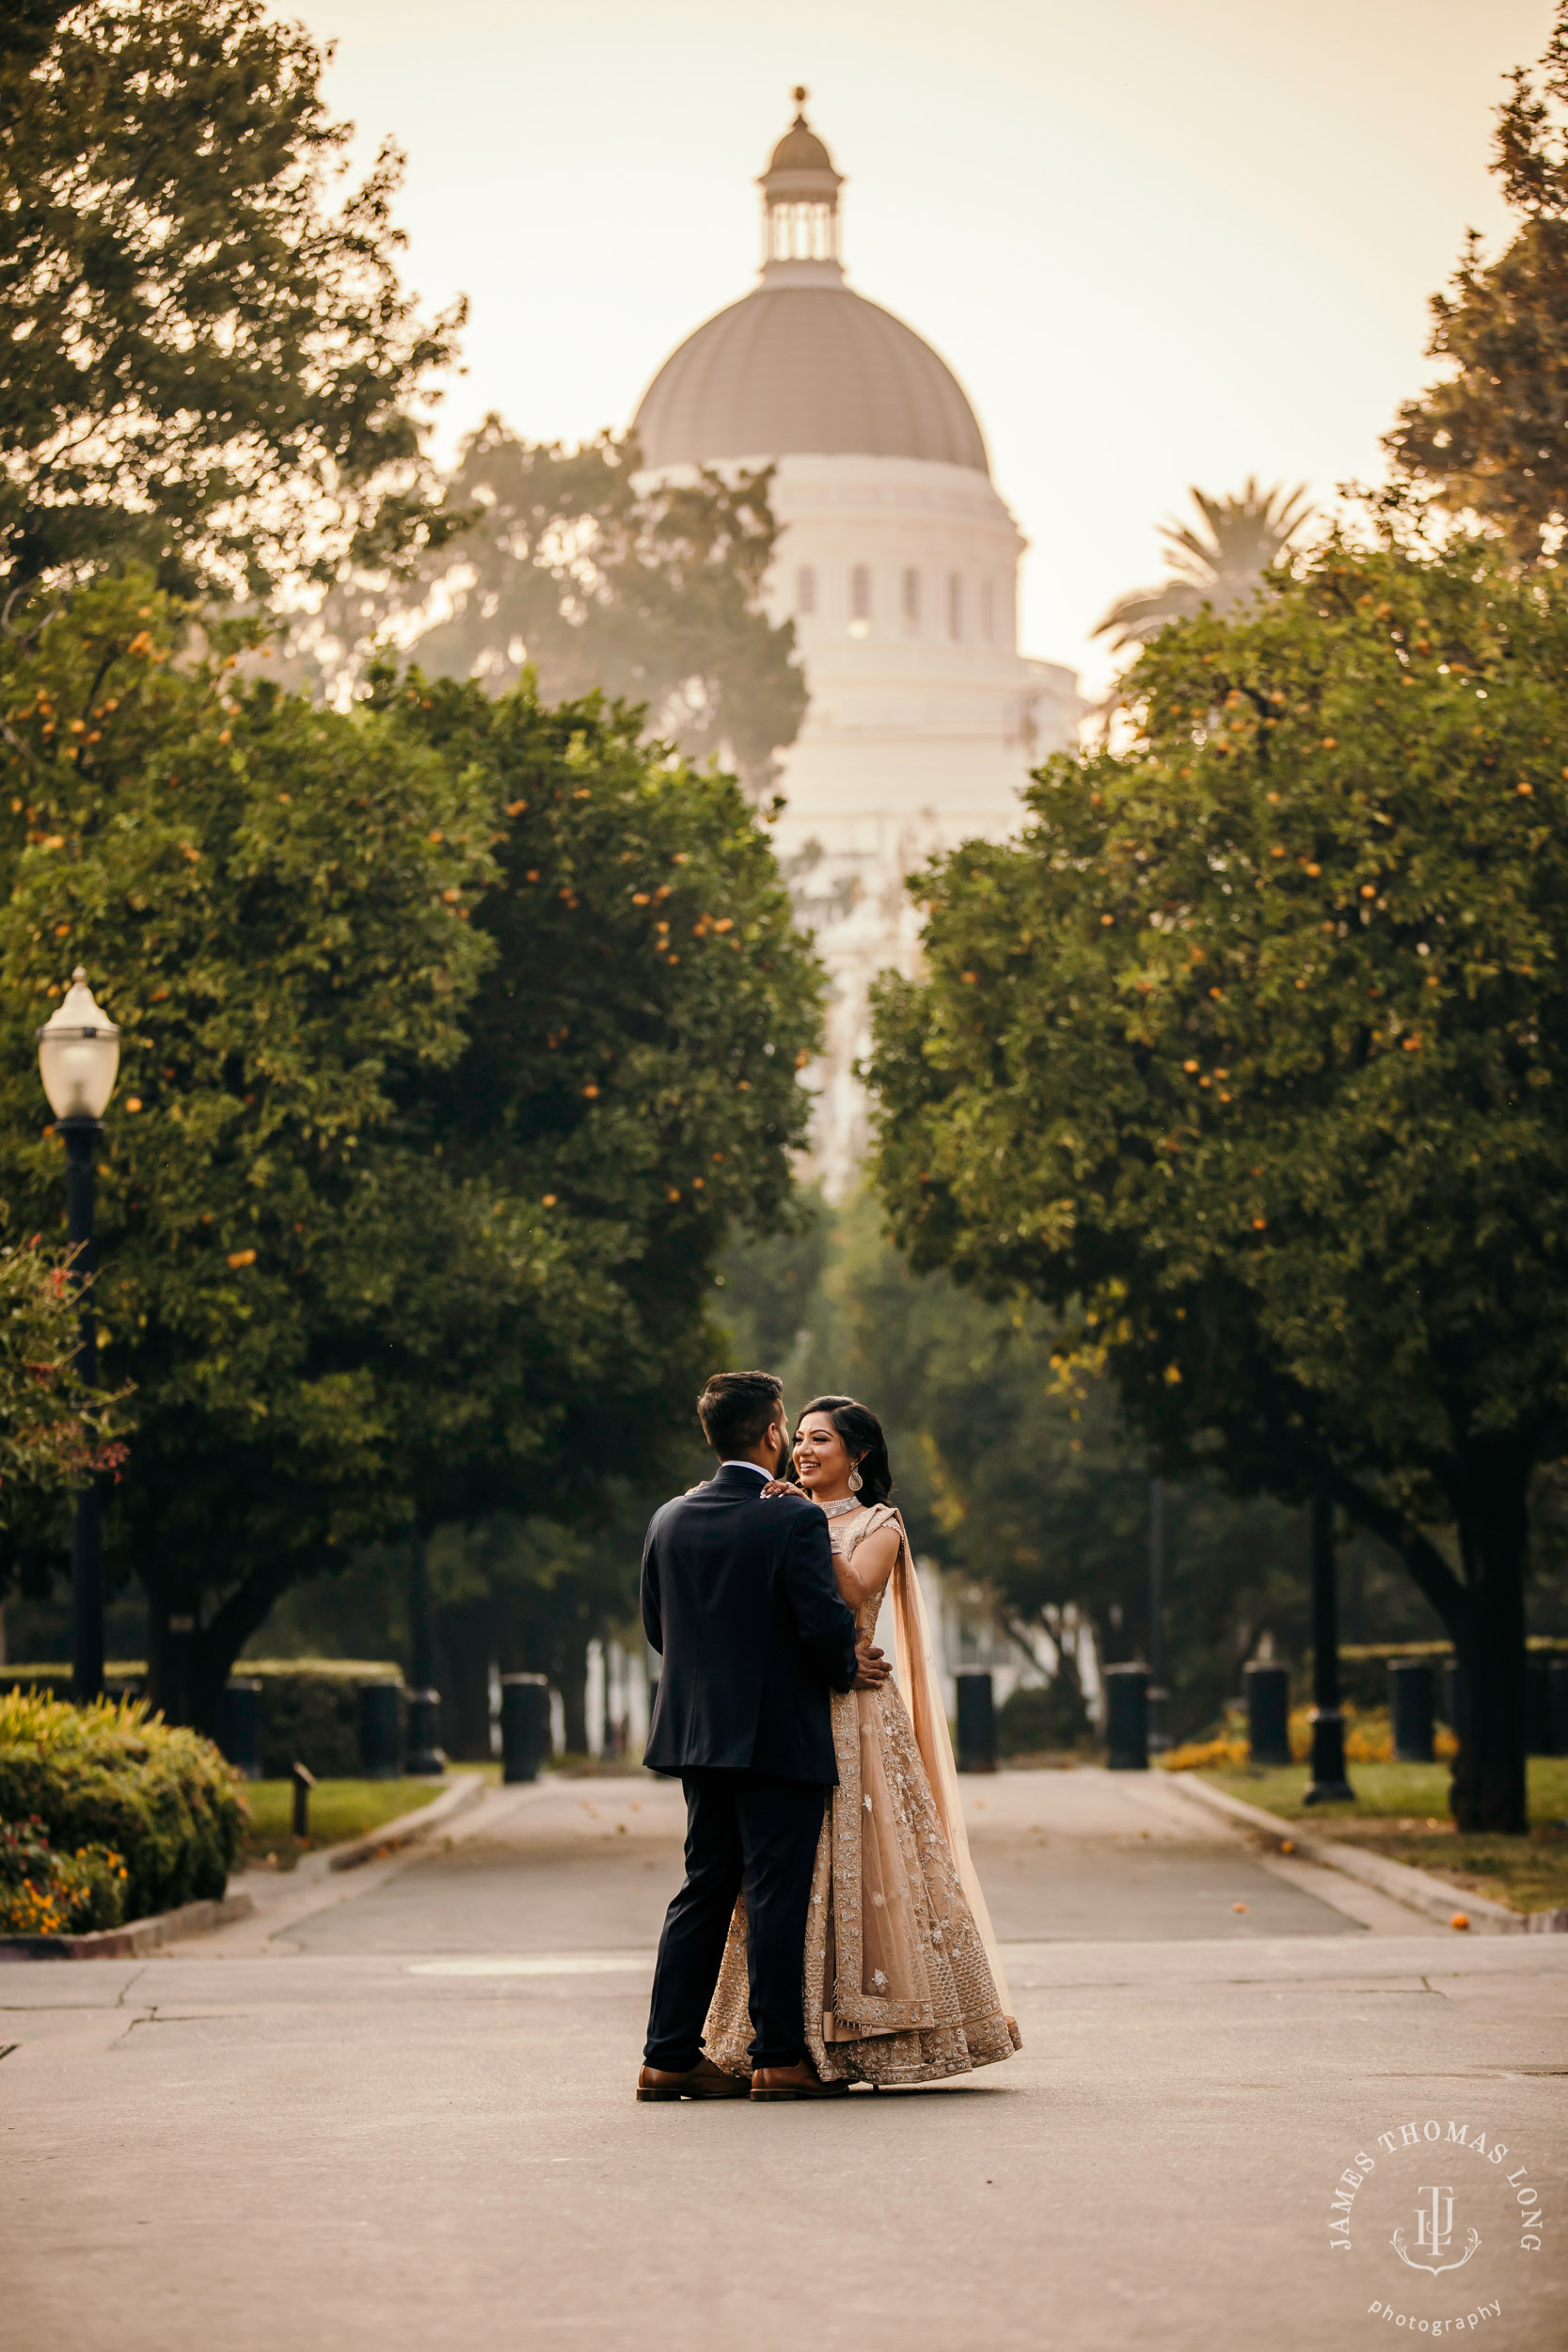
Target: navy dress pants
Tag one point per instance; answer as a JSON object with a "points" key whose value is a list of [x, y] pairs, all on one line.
{"points": [[743, 1830]]}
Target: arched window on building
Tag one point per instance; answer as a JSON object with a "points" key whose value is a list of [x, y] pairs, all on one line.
{"points": [[912, 602], [988, 611], [860, 600], [955, 605], [805, 589]]}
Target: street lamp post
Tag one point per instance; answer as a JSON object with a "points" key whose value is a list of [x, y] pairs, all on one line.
{"points": [[78, 1059]]}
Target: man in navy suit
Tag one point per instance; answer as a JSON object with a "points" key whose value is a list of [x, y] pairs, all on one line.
{"points": [[740, 1598]]}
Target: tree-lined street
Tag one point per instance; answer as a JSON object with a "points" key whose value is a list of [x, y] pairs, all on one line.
{"points": [[566, 911]]}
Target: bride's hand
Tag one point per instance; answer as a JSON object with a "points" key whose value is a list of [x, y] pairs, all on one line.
{"points": [[784, 1486]]}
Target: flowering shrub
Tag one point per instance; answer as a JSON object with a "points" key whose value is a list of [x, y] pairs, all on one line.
{"points": [[46, 1893], [1196, 1756], [1368, 1740], [112, 1777]]}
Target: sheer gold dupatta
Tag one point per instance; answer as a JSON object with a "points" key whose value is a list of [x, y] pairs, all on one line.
{"points": [[917, 1680]]}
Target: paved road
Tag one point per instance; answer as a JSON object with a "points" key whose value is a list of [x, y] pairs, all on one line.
{"points": [[584, 1866], [403, 2123]]}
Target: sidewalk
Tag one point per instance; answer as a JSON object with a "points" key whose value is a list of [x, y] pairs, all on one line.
{"points": [[413, 2131]]}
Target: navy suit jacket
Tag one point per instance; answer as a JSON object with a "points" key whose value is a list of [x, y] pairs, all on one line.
{"points": [[740, 1598]]}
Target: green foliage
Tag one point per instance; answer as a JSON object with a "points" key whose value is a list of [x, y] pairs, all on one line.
{"points": [[1035, 1493], [46, 1893], [1223, 565], [207, 365], [115, 1777], [571, 570], [404, 1216], [310, 1711], [1492, 437], [274, 902], [632, 1082], [1246, 1057], [53, 1430], [1037, 1722]]}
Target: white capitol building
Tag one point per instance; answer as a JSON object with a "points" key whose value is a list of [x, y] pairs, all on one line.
{"points": [[898, 563]]}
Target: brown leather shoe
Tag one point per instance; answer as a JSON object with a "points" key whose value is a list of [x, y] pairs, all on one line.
{"points": [[801, 2081], [703, 2081]]}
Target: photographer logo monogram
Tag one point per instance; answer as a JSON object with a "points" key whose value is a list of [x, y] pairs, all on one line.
{"points": [[1439, 2212], [1435, 2233]]}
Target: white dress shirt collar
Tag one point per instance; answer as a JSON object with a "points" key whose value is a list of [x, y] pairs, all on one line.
{"points": [[761, 1474]]}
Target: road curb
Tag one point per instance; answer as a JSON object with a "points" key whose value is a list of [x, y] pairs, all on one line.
{"points": [[137, 1937], [1417, 1889], [463, 1791]]}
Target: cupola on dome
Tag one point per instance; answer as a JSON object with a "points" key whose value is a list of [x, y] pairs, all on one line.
{"points": [[803, 365], [800, 149]]}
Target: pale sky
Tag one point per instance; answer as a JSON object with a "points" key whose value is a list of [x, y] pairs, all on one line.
{"points": [[1160, 241]]}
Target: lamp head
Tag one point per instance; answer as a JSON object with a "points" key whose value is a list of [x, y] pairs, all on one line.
{"points": [[78, 1053]]}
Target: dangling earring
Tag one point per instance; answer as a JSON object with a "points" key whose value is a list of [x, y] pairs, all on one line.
{"points": [[854, 1482]]}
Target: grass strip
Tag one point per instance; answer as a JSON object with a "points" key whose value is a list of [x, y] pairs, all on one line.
{"points": [[1401, 1810], [340, 1809]]}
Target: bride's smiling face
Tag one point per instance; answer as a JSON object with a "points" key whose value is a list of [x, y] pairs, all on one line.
{"points": [[822, 1460]]}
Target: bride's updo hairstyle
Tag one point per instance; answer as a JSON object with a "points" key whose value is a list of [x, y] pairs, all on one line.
{"points": [[861, 1432]]}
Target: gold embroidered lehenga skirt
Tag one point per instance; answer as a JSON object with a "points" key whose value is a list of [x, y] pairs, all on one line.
{"points": [[897, 1984]]}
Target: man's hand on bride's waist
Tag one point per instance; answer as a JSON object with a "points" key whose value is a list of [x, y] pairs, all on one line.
{"points": [[874, 1669]]}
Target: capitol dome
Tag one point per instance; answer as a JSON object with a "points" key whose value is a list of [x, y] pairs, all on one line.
{"points": [[803, 366], [895, 564], [806, 370]]}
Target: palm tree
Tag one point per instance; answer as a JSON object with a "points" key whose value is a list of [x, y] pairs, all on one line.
{"points": [[1246, 535]]}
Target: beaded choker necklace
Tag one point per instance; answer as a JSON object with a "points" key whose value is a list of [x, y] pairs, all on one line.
{"points": [[836, 1510]]}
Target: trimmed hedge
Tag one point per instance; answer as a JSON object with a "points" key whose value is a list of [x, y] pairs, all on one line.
{"points": [[310, 1711], [309, 1705], [1038, 1720], [111, 1775], [53, 1681]]}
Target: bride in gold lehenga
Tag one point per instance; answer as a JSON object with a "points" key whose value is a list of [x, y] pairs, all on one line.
{"points": [[903, 1981]]}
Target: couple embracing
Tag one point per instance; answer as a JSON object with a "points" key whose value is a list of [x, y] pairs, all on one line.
{"points": [[830, 1929]]}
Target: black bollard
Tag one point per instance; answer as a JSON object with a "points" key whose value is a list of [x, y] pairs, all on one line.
{"points": [[303, 1781], [242, 1725], [1328, 1784], [1268, 1713], [1410, 1707], [380, 1747], [1127, 1719], [524, 1726], [424, 1759], [1559, 1705], [977, 1720], [1538, 1707]]}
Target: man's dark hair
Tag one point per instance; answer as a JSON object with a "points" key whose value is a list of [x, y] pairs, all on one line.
{"points": [[736, 1409]]}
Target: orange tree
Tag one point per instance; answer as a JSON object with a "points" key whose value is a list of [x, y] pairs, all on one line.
{"points": [[1251, 1057], [454, 1033], [630, 1073]]}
